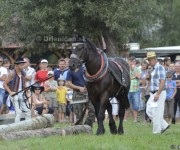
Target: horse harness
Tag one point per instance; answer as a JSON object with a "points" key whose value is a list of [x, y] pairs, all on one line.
{"points": [[104, 69]]}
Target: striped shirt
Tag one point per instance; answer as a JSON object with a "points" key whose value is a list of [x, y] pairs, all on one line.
{"points": [[158, 72]]}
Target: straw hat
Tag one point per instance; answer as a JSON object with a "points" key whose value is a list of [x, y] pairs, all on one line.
{"points": [[151, 54], [177, 57]]}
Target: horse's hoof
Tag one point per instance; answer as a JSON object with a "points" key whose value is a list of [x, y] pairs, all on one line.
{"points": [[120, 131], [100, 132], [113, 129]]}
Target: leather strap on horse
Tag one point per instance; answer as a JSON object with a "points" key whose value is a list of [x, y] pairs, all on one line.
{"points": [[82, 115], [101, 72], [120, 80]]}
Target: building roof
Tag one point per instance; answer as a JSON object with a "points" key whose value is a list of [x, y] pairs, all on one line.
{"points": [[160, 51]]}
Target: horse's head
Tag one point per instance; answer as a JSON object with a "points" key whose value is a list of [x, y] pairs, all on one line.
{"points": [[78, 55]]}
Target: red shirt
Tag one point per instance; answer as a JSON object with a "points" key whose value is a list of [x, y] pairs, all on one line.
{"points": [[41, 75]]}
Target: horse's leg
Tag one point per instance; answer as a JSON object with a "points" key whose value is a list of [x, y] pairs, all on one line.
{"points": [[121, 117], [123, 103], [112, 124], [104, 100], [96, 108]]}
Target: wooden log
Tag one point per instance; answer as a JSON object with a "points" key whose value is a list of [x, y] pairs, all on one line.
{"points": [[45, 121], [46, 132]]}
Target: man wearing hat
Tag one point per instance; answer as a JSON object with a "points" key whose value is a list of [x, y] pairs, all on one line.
{"points": [[14, 83], [155, 104]]}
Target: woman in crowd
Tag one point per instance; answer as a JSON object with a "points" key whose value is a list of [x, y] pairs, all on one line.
{"points": [[39, 103]]}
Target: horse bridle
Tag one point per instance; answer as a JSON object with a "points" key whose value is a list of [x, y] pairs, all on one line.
{"points": [[74, 56]]}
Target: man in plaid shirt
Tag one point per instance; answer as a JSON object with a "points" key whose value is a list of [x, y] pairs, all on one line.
{"points": [[155, 104]]}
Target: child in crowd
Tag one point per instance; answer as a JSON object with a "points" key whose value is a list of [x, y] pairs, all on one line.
{"points": [[170, 93], [61, 99], [39, 103], [69, 96]]}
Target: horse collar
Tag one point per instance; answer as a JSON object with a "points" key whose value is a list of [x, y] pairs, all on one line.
{"points": [[102, 71]]}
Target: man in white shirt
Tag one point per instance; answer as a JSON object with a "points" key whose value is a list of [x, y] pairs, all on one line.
{"points": [[3, 75], [30, 72]]}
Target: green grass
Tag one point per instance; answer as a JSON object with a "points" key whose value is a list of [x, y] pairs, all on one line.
{"points": [[137, 136]]}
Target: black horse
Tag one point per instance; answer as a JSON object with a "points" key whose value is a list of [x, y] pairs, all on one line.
{"points": [[106, 78]]}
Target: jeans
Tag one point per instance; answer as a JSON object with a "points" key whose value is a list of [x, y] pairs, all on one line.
{"points": [[21, 109], [2, 91], [134, 99]]}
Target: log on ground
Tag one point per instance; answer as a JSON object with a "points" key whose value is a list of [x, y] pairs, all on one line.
{"points": [[45, 121], [46, 132]]}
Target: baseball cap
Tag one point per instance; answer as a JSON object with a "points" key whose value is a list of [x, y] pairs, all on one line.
{"points": [[44, 61]]}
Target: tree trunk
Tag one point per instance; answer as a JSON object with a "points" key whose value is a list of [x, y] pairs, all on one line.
{"points": [[111, 45], [46, 132], [47, 120]]}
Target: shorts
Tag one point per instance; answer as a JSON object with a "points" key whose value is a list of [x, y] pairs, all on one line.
{"points": [[40, 110], [61, 108], [70, 107], [134, 100]]}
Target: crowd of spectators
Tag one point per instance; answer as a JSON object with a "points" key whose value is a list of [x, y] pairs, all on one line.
{"points": [[53, 94]]}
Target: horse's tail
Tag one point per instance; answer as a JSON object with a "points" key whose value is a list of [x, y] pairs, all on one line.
{"points": [[125, 100]]}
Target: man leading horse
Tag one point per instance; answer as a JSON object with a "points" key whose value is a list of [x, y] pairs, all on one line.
{"points": [[105, 79]]}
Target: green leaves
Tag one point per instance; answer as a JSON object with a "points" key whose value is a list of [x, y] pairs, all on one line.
{"points": [[122, 20]]}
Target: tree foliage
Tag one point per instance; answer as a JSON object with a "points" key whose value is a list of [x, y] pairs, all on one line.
{"points": [[119, 21], [169, 33]]}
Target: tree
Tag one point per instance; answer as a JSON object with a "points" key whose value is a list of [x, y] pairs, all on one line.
{"points": [[117, 21], [169, 33]]}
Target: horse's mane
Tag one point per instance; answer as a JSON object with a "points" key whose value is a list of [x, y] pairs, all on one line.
{"points": [[91, 45]]}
